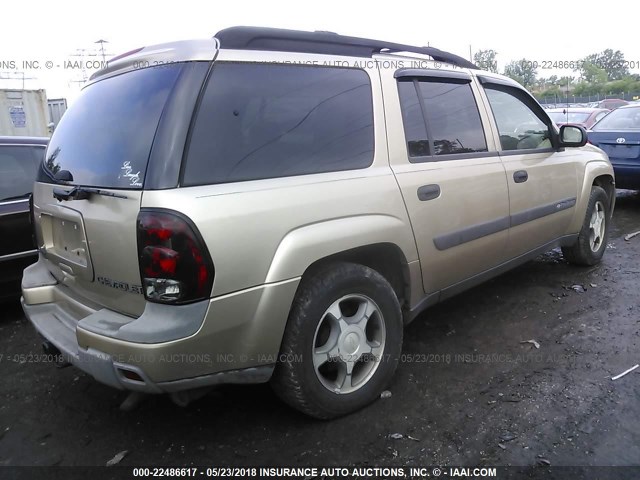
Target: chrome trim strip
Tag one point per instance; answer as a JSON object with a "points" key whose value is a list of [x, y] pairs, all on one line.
{"points": [[10, 202], [13, 256], [41, 145]]}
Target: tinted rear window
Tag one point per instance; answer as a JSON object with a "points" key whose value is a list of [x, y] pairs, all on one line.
{"points": [[263, 121], [18, 165], [105, 137], [451, 114]]}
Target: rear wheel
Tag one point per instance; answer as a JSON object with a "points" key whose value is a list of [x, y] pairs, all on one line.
{"points": [[592, 240], [342, 342]]}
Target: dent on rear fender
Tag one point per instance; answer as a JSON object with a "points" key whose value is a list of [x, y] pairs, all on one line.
{"points": [[305, 245]]}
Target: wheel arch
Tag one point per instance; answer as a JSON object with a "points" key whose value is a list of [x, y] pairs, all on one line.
{"points": [[596, 173], [385, 258], [608, 184], [381, 242]]}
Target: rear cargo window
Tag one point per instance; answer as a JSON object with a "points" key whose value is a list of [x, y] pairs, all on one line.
{"points": [[105, 137], [263, 121], [18, 165]]}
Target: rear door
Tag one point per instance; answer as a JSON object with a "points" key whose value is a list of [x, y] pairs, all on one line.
{"points": [[451, 177], [542, 181], [103, 142]]}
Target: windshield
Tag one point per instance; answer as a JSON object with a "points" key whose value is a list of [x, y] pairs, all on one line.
{"points": [[105, 137], [572, 117], [620, 119]]}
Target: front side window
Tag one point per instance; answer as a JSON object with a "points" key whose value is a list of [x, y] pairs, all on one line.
{"points": [[18, 165], [519, 127], [260, 121], [447, 110]]}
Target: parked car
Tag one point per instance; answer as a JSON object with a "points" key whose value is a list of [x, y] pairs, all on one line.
{"points": [[20, 157], [274, 205], [612, 103], [618, 134], [584, 117]]}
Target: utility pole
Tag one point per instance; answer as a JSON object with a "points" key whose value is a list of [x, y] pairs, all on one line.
{"points": [[102, 42]]}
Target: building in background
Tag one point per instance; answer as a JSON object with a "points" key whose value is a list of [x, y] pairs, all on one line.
{"points": [[25, 113], [57, 106]]}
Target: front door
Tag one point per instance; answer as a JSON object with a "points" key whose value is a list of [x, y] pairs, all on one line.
{"points": [[542, 180]]}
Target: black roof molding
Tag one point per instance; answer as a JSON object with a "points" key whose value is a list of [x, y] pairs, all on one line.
{"points": [[328, 43]]}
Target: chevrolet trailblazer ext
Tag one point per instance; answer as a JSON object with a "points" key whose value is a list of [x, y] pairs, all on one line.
{"points": [[273, 205]]}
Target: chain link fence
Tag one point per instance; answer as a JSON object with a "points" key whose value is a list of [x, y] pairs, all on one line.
{"points": [[572, 99]]}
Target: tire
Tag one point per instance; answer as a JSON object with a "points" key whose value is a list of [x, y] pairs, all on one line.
{"points": [[593, 237], [321, 387]]}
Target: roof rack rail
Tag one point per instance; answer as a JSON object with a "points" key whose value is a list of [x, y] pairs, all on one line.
{"points": [[281, 40]]}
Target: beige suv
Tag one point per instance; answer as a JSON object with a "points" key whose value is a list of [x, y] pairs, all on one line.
{"points": [[272, 205]]}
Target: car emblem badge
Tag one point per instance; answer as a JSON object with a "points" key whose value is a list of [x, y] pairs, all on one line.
{"points": [[621, 140]]}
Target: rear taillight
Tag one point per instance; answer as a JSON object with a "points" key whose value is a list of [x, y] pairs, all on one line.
{"points": [[175, 265]]}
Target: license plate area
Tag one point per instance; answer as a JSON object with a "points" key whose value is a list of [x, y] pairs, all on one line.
{"points": [[64, 242], [68, 241], [627, 152]]}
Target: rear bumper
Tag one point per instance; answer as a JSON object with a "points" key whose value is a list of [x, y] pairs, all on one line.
{"points": [[116, 370], [627, 176], [237, 341]]}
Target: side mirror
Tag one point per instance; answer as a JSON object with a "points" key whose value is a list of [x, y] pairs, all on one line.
{"points": [[573, 136]]}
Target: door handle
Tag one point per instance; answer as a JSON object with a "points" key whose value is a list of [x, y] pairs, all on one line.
{"points": [[520, 176], [428, 192]]}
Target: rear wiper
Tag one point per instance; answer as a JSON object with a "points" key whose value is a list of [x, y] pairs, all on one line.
{"points": [[81, 193]]}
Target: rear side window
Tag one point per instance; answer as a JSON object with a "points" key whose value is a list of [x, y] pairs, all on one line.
{"points": [[261, 121], [18, 165], [104, 138], [440, 117]]}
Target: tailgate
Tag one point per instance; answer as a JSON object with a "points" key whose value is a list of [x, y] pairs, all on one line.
{"points": [[90, 246], [96, 164]]}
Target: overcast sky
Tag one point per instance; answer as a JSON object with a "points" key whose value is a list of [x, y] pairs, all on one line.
{"points": [[541, 31]]}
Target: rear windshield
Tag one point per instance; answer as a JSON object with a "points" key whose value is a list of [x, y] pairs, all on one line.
{"points": [[105, 137], [620, 119], [571, 117]]}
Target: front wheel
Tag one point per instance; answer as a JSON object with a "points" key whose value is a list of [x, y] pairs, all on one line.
{"points": [[592, 240], [342, 341]]}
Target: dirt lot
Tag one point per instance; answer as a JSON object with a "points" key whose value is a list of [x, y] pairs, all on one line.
{"points": [[468, 391]]}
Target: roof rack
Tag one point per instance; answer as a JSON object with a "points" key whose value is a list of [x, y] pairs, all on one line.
{"points": [[280, 40]]}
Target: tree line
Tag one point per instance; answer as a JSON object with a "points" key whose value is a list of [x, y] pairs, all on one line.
{"points": [[606, 73]]}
